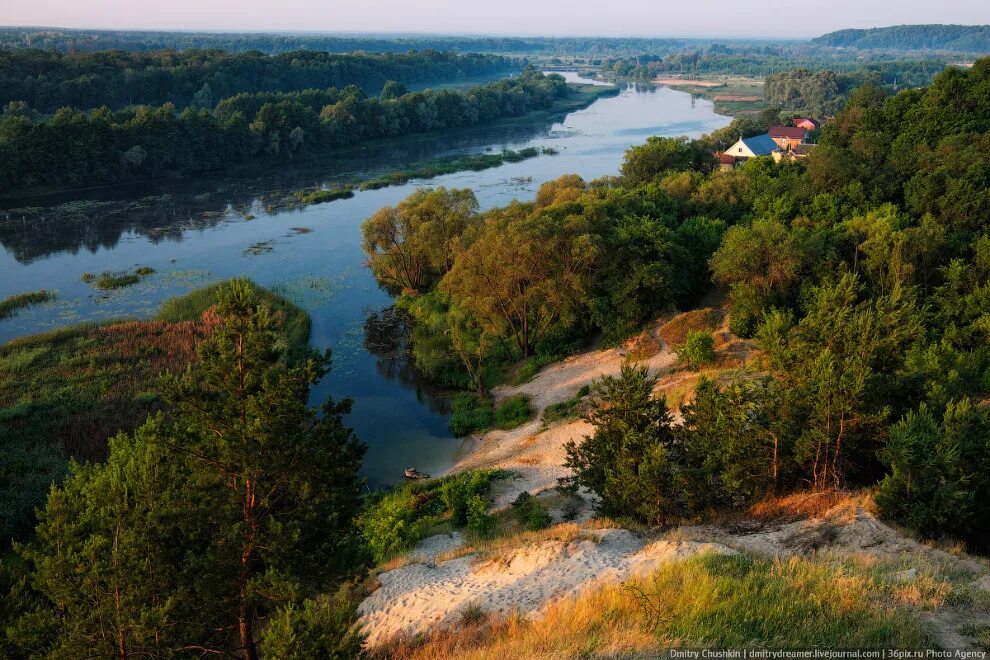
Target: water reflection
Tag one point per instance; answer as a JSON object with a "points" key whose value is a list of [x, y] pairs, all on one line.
{"points": [[387, 334], [162, 211]]}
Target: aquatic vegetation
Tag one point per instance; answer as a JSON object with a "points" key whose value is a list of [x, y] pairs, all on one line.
{"points": [[108, 280], [261, 247], [10, 305], [326, 195]]}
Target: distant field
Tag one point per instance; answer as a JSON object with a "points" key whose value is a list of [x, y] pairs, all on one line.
{"points": [[732, 95]]}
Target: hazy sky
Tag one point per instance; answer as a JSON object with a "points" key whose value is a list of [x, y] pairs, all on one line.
{"points": [[770, 18]]}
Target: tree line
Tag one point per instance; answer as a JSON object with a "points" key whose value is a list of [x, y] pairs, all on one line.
{"points": [[47, 80], [972, 38], [822, 93], [81, 40], [862, 274], [78, 148]]}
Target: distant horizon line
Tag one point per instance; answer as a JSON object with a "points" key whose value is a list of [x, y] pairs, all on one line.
{"points": [[534, 35], [419, 34]]}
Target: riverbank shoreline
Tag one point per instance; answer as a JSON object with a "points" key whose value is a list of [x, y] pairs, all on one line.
{"points": [[580, 97]]}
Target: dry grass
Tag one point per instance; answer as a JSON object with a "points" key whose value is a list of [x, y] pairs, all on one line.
{"points": [[675, 331], [708, 600], [678, 388], [643, 346], [800, 506]]}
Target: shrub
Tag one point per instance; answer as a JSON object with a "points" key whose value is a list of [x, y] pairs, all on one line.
{"points": [[748, 306], [513, 411], [323, 627], [675, 331], [698, 350], [472, 613], [392, 525], [470, 414], [565, 409], [395, 521], [531, 513]]}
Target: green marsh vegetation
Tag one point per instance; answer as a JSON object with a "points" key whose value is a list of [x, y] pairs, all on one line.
{"points": [[426, 170], [10, 305], [108, 280]]}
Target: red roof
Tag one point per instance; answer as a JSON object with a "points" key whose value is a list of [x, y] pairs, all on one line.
{"points": [[726, 159], [798, 121], [789, 132]]}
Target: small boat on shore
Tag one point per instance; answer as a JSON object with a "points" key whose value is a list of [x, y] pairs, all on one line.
{"points": [[413, 473]]}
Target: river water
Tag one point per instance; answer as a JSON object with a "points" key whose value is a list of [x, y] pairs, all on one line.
{"points": [[196, 231]]}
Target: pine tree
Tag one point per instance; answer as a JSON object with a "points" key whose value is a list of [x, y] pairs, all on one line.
{"points": [[235, 504]]}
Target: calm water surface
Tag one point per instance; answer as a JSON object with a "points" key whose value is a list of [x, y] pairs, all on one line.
{"points": [[195, 231]]}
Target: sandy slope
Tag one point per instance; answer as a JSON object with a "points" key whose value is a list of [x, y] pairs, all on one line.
{"points": [[428, 594], [419, 597], [537, 453]]}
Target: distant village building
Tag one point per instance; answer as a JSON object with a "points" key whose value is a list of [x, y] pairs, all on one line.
{"points": [[752, 147], [806, 123], [779, 142], [787, 137]]}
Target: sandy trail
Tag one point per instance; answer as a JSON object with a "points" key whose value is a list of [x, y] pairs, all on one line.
{"points": [[533, 451]]}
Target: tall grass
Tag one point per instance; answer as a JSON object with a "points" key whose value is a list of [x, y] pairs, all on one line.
{"points": [[709, 600]]}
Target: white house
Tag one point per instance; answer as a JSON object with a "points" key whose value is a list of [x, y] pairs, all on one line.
{"points": [[752, 147]]}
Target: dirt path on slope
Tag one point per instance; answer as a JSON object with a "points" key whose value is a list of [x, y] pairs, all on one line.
{"points": [[534, 451]]}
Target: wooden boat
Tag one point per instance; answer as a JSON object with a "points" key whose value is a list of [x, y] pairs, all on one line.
{"points": [[413, 473]]}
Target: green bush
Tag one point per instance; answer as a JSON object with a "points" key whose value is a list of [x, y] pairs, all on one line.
{"points": [[513, 411], [562, 410], [698, 350], [470, 414], [323, 627], [531, 513], [295, 322], [393, 524], [748, 306], [395, 521], [478, 518]]}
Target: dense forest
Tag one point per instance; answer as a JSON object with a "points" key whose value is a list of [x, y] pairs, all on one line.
{"points": [[77, 148], [47, 80], [862, 275], [966, 38]]}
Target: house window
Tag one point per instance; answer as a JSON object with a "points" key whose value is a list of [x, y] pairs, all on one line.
{"points": [[740, 149]]}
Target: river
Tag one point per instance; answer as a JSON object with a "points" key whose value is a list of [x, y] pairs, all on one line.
{"points": [[195, 231]]}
